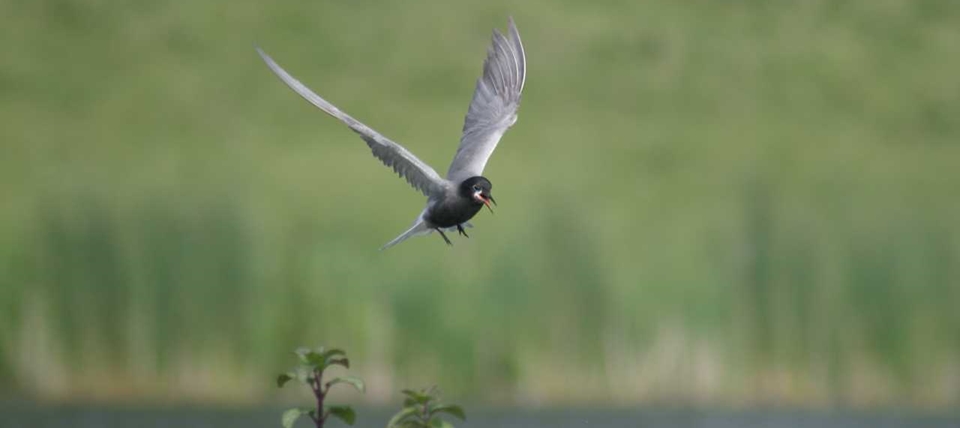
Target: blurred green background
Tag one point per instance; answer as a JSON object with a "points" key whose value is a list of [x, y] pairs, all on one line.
{"points": [[716, 203]]}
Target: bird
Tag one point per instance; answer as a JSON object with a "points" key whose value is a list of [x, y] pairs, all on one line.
{"points": [[455, 199]]}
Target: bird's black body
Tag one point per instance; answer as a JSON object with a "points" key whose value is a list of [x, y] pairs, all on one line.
{"points": [[456, 209], [453, 212]]}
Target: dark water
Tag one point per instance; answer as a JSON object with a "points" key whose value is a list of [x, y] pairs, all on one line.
{"points": [[29, 416]]}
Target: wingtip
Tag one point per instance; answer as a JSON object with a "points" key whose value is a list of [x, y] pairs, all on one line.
{"points": [[263, 55], [515, 37], [512, 27]]}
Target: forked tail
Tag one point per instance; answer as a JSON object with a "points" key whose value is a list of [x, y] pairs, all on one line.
{"points": [[419, 228]]}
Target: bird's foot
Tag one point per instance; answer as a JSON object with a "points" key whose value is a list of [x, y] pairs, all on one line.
{"points": [[461, 231], [444, 236]]}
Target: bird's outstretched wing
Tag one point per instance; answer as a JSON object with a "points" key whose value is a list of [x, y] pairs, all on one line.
{"points": [[420, 175], [494, 106]]}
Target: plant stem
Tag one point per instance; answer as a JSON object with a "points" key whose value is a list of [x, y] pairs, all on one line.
{"points": [[319, 393], [425, 414]]}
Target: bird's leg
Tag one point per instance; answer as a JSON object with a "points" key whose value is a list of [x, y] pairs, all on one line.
{"points": [[447, 240], [461, 231]]}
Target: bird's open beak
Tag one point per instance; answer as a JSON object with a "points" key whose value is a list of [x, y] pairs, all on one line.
{"points": [[486, 200]]}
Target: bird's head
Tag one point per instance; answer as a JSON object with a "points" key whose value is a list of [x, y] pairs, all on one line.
{"points": [[478, 190]]}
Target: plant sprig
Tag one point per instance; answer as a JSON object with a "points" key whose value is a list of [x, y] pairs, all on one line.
{"points": [[313, 363], [422, 409]]}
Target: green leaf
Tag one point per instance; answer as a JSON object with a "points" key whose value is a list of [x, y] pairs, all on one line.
{"points": [[450, 409], [401, 416], [316, 361], [284, 378], [327, 355], [311, 358], [344, 413], [417, 397], [355, 381], [338, 361], [290, 417]]}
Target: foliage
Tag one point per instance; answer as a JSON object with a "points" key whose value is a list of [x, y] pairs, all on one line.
{"points": [[309, 372], [422, 409]]}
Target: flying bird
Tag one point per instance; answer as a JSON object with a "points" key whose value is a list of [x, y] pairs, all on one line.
{"points": [[451, 201]]}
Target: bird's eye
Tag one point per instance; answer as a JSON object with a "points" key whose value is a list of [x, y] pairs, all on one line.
{"points": [[476, 188]]}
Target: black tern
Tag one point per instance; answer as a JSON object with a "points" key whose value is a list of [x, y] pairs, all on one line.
{"points": [[453, 200]]}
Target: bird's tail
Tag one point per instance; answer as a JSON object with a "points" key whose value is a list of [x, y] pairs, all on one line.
{"points": [[419, 228]]}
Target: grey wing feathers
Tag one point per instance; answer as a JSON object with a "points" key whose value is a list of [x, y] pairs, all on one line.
{"points": [[494, 106], [420, 175]]}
